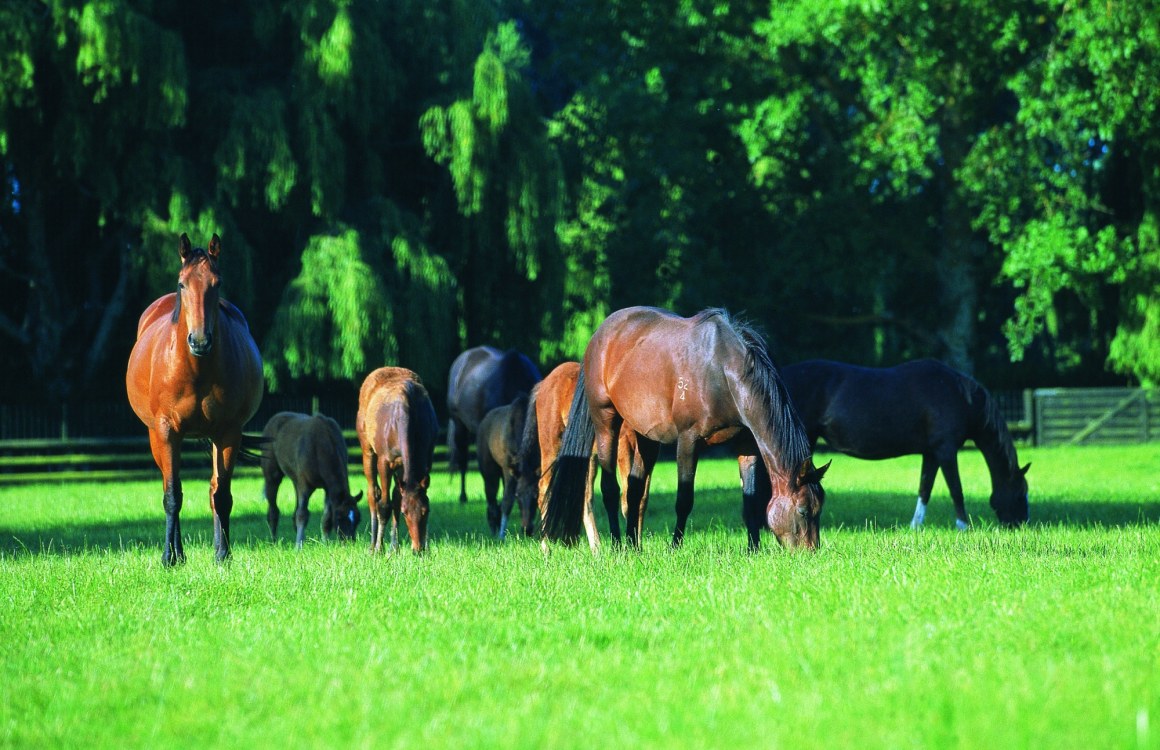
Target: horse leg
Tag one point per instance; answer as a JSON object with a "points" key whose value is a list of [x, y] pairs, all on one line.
{"points": [[607, 446], [491, 479], [221, 498], [273, 480], [167, 453], [925, 485], [950, 470], [396, 509], [457, 441], [374, 494], [686, 470], [302, 513], [638, 474], [755, 492], [509, 499], [382, 508]]}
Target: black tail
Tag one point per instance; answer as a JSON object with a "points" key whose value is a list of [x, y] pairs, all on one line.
{"points": [[529, 456], [249, 452], [564, 515]]}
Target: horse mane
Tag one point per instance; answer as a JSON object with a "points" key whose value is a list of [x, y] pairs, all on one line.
{"points": [[783, 424], [990, 421]]}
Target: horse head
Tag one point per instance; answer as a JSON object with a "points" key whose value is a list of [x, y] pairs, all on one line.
{"points": [[197, 294], [794, 515], [346, 515], [416, 508], [1009, 499]]}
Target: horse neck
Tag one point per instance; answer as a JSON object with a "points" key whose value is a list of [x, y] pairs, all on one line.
{"points": [[782, 450]]}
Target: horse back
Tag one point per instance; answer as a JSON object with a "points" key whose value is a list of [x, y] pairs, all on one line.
{"points": [[664, 374], [396, 420], [307, 448], [871, 412]]}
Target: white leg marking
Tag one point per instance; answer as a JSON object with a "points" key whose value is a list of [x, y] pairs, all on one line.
{"points": [[502, 527], [919, 514], [961, 525]]}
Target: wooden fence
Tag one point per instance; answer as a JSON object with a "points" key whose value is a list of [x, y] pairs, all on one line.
{"points": [[106, 441], [1090, 416]]}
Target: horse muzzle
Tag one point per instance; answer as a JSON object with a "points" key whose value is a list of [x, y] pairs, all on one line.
{"points": [[199, 346]]}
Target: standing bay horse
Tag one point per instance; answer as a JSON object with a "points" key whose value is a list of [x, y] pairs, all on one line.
{"points": [[497, 445], [694, 381], [546, 420], [312, 452], [921, 407], [397, 429], [481, 379], [195, 371]]}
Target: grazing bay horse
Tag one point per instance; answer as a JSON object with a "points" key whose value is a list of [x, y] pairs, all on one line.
{"points": [[497, 446], [693, 381], [546, 420], [921, 407], [481, 379], [312, 452], [195, 371], [397, 429]]}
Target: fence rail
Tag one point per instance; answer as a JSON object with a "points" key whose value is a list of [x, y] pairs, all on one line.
{"points": [[106, 440]]}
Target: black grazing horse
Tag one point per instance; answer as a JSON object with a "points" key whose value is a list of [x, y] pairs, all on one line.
{"points": [[481, 379], [921, 407]]}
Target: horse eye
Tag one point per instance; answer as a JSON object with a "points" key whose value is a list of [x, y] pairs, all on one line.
{"points": [[803, 511], [181, 285]]}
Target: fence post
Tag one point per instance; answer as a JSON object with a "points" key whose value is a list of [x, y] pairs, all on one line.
{"points": [[64, 421], [314, 404]]}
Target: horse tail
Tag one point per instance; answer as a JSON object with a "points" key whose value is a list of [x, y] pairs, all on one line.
{"points": [[564, 514], [529, 453], [250, 449]]}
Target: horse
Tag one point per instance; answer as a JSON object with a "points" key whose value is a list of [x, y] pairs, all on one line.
{"points": [[312, 452], [696, 381], [497, 447], [397, 429], [195, 371], [481, 379], [922, 407], [546, 419]]}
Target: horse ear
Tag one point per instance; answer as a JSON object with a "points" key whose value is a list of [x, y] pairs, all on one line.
{"points": [[811, 475], [1023, 471], [215, 246], [184, 247]]}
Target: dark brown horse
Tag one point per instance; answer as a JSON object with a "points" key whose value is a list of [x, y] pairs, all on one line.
{"points": [[481, 379], [921, 407], [312, 452], [195, 371], [694, 381], [546, 420], [497, 444], [397, 429]]}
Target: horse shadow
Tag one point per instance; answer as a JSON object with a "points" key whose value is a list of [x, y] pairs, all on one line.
{"points": [[465, 525]]}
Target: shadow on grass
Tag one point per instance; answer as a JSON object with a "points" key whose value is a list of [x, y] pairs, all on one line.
{"points": [[466, 525]]}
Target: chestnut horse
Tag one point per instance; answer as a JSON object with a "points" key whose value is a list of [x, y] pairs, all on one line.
{"points": [[544, 428], [397, 429], [195, 371], [312, 452], [921, 407], [481, 379], [694, 381], [497, 445]]}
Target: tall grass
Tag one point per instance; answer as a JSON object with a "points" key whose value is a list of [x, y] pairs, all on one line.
{"points": [[1044, 637]]}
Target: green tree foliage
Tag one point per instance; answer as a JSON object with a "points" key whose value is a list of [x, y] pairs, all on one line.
{"points": [[394, 181]]}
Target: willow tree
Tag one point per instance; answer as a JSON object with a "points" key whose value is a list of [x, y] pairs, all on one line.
{"points": [[502, 178]]}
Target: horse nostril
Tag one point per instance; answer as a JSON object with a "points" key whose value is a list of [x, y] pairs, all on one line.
{"points": [[199, 346]]}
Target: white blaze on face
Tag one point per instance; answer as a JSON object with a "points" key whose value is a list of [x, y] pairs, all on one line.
{"points": [[919, 514]]}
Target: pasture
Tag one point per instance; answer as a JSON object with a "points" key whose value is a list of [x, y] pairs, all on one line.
{"points": [[1046, 636]]}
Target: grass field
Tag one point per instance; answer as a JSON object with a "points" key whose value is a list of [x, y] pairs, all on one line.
{"points": [[1045, 637]]}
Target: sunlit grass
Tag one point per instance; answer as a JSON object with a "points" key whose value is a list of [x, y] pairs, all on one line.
{"points": [[1042, 637]]}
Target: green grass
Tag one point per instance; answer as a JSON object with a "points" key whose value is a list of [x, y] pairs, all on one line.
{"points": [[1044, 637]]}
